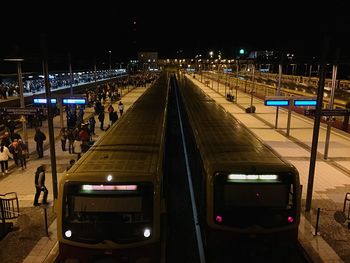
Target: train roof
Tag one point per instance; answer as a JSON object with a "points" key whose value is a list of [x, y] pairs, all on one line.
{"points": [[134, 145], [223, 141]]}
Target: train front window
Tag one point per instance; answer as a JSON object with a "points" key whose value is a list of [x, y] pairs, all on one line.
{"points": [[95, 213], [248, 200]]}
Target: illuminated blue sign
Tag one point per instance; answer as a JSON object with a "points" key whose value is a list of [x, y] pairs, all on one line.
{"points": [[305, 102], [276, 102], [74, 101], [43, 101]]}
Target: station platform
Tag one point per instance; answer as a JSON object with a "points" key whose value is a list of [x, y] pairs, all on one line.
{"points": [[332, 176]]}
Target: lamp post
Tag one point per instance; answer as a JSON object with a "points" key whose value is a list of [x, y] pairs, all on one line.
{"points": [[110, 63], [21, 96], [252, 91], [70, 73], [95, 68]]}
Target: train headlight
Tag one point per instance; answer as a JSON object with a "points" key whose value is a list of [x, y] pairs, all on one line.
{"points": [[109, 178], [147, 232], [68, 233]]}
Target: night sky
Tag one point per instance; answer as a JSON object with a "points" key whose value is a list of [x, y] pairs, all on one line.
{"points": [[90, 29]]}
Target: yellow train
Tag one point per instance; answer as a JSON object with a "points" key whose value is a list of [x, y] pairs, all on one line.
{"points": [[111, 202]]}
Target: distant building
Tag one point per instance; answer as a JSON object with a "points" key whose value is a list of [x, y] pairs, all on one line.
{"points": [[148, 60]]}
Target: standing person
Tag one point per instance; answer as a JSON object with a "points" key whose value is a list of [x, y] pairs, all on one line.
{"points": [[110, 112], [22, 153], [71, 138], [4, 157], [101, 117], [113, 117], [92, 123], [77, 147], [39, 182], [63, 137], [39, 138], [13, 148], [121, 108], [6, 139]]}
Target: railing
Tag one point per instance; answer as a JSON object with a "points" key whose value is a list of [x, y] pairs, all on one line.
{"points": [[9, 209]]}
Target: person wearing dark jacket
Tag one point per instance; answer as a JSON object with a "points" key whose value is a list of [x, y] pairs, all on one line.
{"points": [[39, 182], [39, 138]]}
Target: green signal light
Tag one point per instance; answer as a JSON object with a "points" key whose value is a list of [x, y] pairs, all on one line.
{"points": [[241, 51]]}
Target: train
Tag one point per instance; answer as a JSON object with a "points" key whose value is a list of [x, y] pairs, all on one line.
{"points": [[245, 191], [111, 202]]}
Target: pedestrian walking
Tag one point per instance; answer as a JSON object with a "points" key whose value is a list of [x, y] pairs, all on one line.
{"points": [[39, 182]]}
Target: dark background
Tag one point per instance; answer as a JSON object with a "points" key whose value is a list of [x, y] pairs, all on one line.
{"points": [[88, 30]]}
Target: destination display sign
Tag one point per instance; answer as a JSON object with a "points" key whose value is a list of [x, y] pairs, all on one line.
{"points": [[325, 112], [21, 111]]}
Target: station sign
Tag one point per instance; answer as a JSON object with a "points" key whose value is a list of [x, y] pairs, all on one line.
{"points": [[277, 101], [43, 101], [287, 100], [74, 101], [326, 112], [298, 102]]}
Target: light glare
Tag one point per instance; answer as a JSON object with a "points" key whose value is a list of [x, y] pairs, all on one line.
{"points": [[68, 233], [147, 232]]}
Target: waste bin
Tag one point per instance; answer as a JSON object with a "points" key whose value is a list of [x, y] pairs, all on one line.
{"points": [[250, 109]]}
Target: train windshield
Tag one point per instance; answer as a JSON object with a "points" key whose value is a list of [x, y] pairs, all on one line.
{"points": [[94, 213], [245, 200]]}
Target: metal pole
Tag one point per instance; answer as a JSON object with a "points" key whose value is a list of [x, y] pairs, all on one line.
{"points": [[45, 220], [317, 220], [331, 102], [237, 69], [50, 124], [20, 84], [225, 83], [110, 64], [70, 74], [218, 71], [313, 156], [252, 89], [95, 77], [289, 119], [278, 91], [61, 112]]}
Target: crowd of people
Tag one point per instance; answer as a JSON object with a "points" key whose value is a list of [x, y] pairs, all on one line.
{"points": [[9, 87]]}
